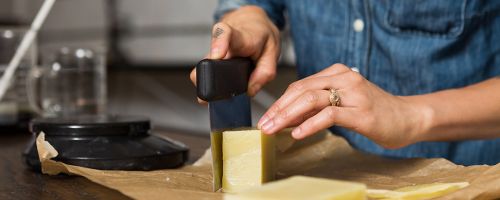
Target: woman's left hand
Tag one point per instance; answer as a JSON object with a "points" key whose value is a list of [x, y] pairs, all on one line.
{"points": [[391, 121]]}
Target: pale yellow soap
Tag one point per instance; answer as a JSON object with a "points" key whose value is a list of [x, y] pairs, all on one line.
{"points": [[248, 159], [302, 187], [418, 192]]}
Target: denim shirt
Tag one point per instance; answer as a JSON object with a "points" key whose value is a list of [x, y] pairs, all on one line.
{"points": [[406, 47]]}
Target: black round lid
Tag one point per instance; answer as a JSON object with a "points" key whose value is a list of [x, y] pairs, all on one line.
{"points": [[91, 125]]}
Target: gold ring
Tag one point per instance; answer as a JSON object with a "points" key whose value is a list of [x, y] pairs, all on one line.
{"points": [[334, 97]]}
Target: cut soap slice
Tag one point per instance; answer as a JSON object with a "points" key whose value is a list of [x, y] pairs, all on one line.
{"points": [[248, 159], [417, 192], [302, 187]]}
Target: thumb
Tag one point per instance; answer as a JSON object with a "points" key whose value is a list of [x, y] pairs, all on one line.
{"points": [[221, 36]]}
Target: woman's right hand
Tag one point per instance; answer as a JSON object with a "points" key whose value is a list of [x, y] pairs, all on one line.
{"points": [[247, 32]]}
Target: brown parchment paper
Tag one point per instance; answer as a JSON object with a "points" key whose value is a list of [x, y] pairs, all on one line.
{"points": [[323, 155]]}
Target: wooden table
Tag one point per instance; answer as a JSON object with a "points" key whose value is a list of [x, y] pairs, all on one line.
{"points": [[17, 181]]}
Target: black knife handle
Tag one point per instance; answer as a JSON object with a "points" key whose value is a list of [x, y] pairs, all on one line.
{"points": [[222, 79]]}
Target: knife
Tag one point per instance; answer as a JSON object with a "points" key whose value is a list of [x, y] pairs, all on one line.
{"points": [[223, 84]]}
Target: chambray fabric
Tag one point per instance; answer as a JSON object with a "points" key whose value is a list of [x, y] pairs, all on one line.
{"points": [[407, 47]]}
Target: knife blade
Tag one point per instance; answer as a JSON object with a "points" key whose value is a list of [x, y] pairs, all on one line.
{"points": [[223, 84]]}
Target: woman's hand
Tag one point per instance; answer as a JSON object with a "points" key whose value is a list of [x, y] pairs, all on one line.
{"points": [[389, 120], [247, 32]]}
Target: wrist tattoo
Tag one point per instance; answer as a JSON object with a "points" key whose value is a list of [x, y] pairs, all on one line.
{"points": [[218, 31]]}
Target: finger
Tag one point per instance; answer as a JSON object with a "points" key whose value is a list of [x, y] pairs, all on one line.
{"points": [[299, 87], [200, 101], [221, 38], [295, 112], [265, 70], [192, 75], [303, 118], [326, 118], [334, 69]]}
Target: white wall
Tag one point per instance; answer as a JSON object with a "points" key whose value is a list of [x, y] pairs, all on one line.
{"points": [[183, 28], [162, 32]]}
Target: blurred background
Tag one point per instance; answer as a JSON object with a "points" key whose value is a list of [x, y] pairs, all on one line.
{"points": [[152, 45]]}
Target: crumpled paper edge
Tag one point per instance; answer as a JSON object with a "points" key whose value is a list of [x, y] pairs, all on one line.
{"points": [[45, 153]]}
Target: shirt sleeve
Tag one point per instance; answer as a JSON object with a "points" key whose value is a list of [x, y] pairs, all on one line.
{"points": [[273, 8]]}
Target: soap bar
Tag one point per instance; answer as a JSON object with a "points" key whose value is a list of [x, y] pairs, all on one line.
{"points": [[417, 192], [302, 187], [248, 159], [216, 148]]}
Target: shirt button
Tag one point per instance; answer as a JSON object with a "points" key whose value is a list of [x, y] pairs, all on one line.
{"points": [[358, 25]]}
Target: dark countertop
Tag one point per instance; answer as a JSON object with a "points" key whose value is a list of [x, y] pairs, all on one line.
{"points": [[17, 181]]}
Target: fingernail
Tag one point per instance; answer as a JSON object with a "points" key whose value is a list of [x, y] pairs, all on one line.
{"points": [[296, 132], [215, 53], [262, 121], [268, 126]]}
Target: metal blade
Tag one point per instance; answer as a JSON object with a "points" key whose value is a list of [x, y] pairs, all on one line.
{"points": [[226, 114], [230, 113]]}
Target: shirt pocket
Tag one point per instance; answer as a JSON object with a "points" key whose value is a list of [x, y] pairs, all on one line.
{"points": [[441, 18]]}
